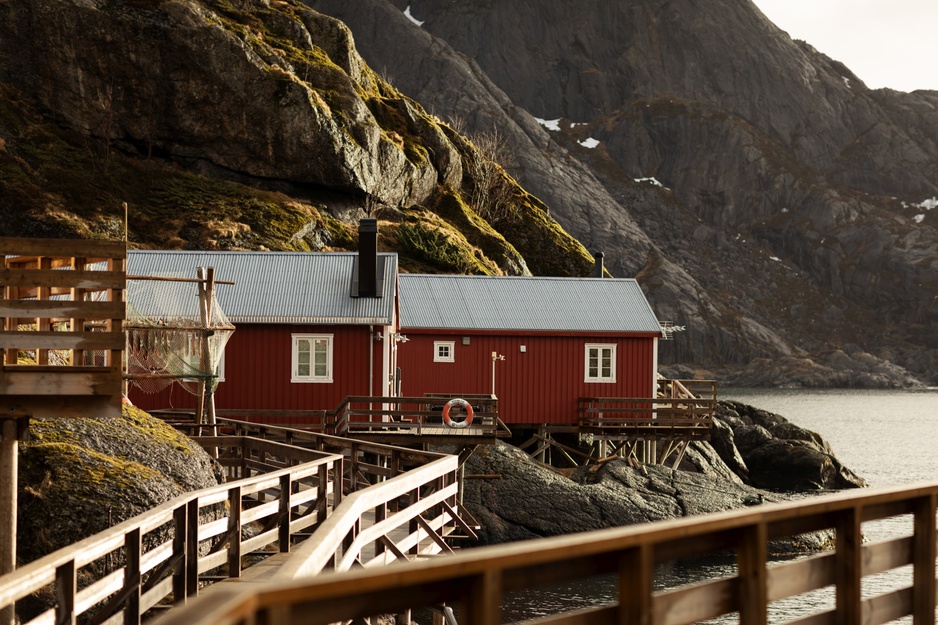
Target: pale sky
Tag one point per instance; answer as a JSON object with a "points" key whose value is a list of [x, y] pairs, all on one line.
{"points": [[886, 43]]}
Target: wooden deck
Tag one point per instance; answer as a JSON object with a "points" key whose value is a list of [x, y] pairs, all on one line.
{"points": [[390, 420]]}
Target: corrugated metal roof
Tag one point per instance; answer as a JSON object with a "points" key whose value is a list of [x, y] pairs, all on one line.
{"points": [[279, 287], [524, 303]]}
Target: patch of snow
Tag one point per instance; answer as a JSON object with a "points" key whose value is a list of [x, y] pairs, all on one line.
{"points": [[919, 218], [775, 258], [550, 124], [589, 143], [650, 180], [784, 210], [413, 19], [928, 204], [846, 81], [575, 124]]}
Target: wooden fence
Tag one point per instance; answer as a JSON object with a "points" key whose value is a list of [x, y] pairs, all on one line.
{"points": [[285, 491], [683, 410], [412, 415], [411, 497], [374, 418], [475, 581]]}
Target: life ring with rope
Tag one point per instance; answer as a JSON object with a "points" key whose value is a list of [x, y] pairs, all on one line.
{"points": [[462, 403]]}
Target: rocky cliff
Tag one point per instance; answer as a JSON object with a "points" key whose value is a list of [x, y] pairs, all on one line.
{"points": [[248, 124], [766, 199]]}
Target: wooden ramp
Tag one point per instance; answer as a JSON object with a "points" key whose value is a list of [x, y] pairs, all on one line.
{"points": [[297, 506]]}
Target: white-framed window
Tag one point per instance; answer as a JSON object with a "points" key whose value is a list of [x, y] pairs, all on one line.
{"points": [[600, 362], [444, 351], [312, 358], [220, 368]]}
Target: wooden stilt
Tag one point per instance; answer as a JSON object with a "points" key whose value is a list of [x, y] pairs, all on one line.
{"points": [[9, 474]]}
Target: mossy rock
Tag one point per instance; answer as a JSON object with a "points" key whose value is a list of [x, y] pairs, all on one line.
{"points": [[78, 477]]}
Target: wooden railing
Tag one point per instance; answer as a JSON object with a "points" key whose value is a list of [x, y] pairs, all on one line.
{"points": [[368, 462], [476, 581], [165, 553], [688, 389], [418, 416], [286, 490], [61, 339], [648, 419], [413, 415], [415, 507]]}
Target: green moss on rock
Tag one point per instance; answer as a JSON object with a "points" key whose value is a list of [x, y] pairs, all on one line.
{"points": [[81, 476]]}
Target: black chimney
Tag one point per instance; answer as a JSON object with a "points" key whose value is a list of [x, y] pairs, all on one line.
{"points": [[368, 258], [599, 264]]}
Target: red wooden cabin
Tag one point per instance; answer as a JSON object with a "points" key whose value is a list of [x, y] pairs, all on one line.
{"points": [[538, 344], [311, 328]]}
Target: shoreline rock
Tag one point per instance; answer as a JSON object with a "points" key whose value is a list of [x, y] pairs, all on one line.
{"points": [[515, 498]]}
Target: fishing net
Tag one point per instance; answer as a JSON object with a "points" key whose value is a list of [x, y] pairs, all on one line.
{"points": [[176, 333]]}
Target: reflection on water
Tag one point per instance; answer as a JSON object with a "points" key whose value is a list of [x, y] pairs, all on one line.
{"points": [[886, 437]]}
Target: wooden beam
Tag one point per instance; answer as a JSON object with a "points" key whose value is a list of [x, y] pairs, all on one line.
{"points": [[9, 450], [56, 309], [93, 249], [50, 381], [60, 279], [56, 406], [61, 340]]}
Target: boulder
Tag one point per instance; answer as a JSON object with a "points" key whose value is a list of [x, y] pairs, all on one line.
{"points": [[79, 477], [778, 454], [514, 498]]}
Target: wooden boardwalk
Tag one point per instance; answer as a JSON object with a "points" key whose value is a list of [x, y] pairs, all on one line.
{"points": [[475, 581], [295, 508]]}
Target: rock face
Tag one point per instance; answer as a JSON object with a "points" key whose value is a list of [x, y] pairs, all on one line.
{"points": [[766, 199], [514, 499], [775, 453], [268, 94], [754, 457], [80, 476]]}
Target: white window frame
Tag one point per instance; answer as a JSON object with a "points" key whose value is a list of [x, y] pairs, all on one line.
{"points": [[311, 377], [450, 346], [220, 368], [598, 349]]}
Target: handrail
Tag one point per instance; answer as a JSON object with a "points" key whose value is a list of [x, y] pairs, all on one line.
{"points": [[341, 539], [163, 551], [687, 389], [478, 579], [203, 531], [643, 413], [361, 414]]}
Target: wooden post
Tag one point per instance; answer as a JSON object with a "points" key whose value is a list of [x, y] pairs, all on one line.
{"points": [[9, 448], [206, 410], [849, 555], [43, 324]]}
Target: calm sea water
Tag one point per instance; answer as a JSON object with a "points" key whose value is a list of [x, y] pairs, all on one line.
{"points": [[887, 437]]}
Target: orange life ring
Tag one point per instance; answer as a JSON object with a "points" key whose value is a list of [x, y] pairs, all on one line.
{"points": [[457, 424]]}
